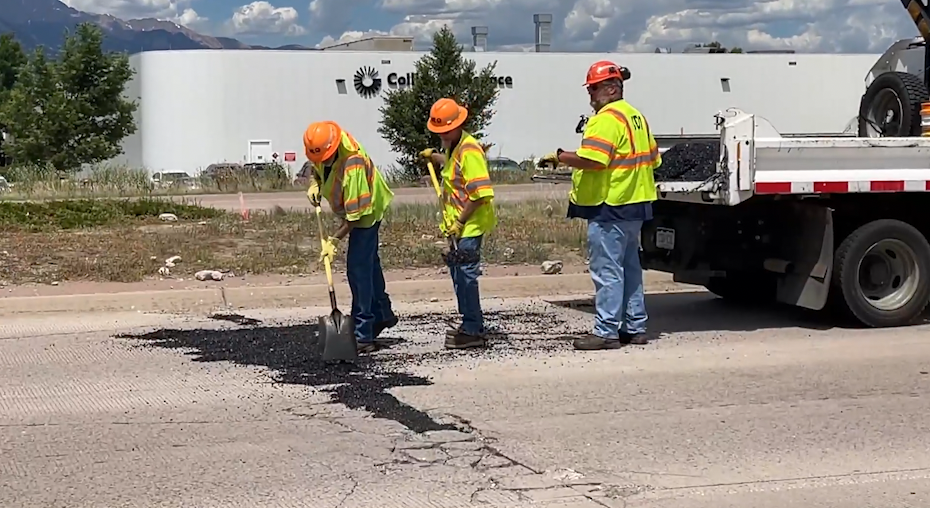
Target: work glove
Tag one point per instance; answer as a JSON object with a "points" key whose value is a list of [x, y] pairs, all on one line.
{"points": [[427, 154], [313, 193], [551, 160], [328, 250], [454, 230]]}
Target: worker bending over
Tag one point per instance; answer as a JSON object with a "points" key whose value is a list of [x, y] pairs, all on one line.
{"points": [[468, 214], [613, 188], [357, 193]]}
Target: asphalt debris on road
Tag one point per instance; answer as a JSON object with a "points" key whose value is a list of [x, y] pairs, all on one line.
{"points": [[688, 162], [292, 353]]}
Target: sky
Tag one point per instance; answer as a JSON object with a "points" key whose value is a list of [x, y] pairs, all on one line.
{"points": [[832, 26]]}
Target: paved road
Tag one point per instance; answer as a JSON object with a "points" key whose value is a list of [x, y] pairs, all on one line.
{"points": [[732, 408], [298, 200]]}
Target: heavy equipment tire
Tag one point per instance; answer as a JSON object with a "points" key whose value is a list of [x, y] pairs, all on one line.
{"points": [[741, 288], [882, 272], [892, 90]]}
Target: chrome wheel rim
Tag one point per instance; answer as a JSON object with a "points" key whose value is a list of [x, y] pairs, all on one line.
{"points": [[888, 275]]}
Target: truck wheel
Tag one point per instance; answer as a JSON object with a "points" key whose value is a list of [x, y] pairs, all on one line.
{"points": [[882, 271], [890, 106], [743, 288]]}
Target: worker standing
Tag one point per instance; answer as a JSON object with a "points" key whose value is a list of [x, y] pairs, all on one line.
{"points": [[613, 188], [468, 214], [356, 192]]}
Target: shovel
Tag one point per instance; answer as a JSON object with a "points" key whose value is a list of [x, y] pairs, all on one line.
{"points": [[336, 330], [453, 244]]}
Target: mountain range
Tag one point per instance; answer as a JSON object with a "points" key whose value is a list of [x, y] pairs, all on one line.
{"points": [[44, 23]]}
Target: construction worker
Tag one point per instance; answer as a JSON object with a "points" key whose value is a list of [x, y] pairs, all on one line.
{"points": [[356, 192], [468, 214], [613, 188]]}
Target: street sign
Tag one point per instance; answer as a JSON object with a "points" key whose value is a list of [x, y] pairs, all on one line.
{"points": [[274, 156], [290, 156]]}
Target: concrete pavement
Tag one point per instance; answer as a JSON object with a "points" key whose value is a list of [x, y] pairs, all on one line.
{"points": [[411, 195], [733, 407]]}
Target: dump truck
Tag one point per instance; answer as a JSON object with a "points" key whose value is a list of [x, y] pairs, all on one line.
{"points": [[834, 222]]}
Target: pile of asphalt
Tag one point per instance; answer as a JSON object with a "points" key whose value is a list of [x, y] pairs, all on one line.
{"points": [[291, 351], [688, 162]]}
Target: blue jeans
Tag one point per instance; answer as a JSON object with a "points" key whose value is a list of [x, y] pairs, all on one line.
{"points": [[465, 282], [613, 249], [370, 302]]}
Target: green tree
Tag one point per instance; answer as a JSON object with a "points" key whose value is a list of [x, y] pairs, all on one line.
{"points": [[443, 72], [12, 59], [736, 50], [72, 111]]}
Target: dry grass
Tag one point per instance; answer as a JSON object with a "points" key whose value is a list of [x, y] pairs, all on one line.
{"points": [[124, 241], [115, 181]]}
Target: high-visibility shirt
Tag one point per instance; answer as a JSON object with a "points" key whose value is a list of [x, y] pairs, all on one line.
{"points": [[465, 178], [618, 136], [353, 186]]}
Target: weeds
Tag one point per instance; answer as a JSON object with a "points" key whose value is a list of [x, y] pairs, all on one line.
{"points": [[123, 240], [116, 181]]}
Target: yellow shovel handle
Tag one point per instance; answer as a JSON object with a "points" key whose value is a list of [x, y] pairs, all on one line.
{"points": [[432, 175], [326, 263]]}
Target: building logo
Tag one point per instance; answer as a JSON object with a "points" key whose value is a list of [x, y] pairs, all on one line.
{"points": [[367, 83]]}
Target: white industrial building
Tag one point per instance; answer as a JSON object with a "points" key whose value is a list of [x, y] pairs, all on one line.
{"points": [[197, 108]]}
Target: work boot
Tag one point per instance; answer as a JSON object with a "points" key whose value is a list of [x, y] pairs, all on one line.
{"points": [[366, 347], [591, 342], [384, 325], [634, 339], [462, 340], [452, 332]]}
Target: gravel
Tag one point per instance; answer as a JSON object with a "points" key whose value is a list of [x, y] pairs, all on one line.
{"points": [[688, 162]]}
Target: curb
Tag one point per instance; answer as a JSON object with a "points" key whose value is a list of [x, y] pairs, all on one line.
{"points": [[205, 300]]}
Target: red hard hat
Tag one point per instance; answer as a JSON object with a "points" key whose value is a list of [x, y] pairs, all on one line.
{"points": [[604, 70]]}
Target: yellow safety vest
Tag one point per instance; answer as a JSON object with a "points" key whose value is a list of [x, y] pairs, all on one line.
{"points": [[618, 136], [355, 188], [465, 178]]}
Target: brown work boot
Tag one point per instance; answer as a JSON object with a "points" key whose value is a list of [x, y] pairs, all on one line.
{"points": [[452, 332], [634, 339], [366, 347], [462, 340], [591, 342]]}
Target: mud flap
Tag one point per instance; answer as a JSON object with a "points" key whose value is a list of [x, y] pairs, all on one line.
{"points": [[807, 283]]}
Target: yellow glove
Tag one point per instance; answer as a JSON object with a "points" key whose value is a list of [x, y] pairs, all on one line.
{"points": [[427, 154], [454, 230], [328, 250], [549, 160], [313, 193]]}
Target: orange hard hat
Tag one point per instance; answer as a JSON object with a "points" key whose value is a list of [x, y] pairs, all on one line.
{"points": [[321, 140], [604, 70], [445, 116]]}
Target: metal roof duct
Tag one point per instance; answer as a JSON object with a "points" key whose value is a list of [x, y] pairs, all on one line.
{"points": [[479, 37], [543, 32]]}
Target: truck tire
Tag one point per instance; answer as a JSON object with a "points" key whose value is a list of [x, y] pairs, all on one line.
{"points": [[890, 106], [882, 272], [743, 288]]}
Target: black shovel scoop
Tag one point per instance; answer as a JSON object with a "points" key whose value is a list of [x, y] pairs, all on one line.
{"points": [[337, 332]]}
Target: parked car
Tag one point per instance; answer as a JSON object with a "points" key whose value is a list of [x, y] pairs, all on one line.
{"points": [[503, 164], [173, 179]]}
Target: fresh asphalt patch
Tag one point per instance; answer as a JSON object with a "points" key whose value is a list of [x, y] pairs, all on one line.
{"points": [[292, 354]]}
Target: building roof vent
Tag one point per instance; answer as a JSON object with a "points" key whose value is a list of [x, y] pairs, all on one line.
{"points": [[479, 37], [543, 32]]}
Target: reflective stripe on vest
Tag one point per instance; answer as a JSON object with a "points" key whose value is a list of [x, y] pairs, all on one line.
{"points": [[337, 199], [618, 161], [461, 189]]}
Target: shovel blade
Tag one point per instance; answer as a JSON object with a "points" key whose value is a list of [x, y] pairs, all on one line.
{"points": [[338, 338]]}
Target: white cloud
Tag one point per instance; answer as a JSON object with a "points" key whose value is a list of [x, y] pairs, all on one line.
{"points": [[622, 25], [261, 17], [128, 9]]}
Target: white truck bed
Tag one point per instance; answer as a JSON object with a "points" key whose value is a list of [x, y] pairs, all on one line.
{"points": [[757, 160]]}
